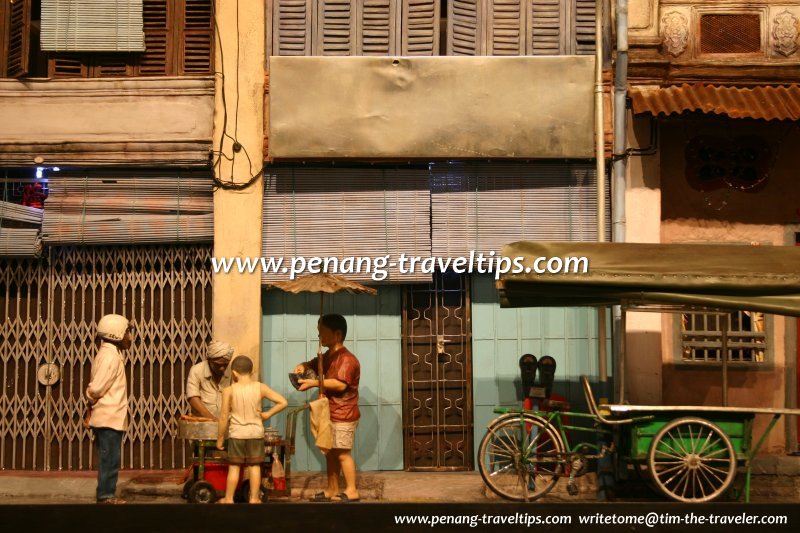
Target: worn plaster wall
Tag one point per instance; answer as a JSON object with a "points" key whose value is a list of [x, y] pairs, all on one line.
{"points": [[237, 214], [766, 217], [643, 224]]}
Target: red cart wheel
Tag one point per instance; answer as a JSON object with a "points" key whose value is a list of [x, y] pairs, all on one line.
{"points": [[186, 488], [202, 492]]}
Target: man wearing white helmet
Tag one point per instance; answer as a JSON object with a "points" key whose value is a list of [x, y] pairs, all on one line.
{"points": [[108, 402], [208, 379]]}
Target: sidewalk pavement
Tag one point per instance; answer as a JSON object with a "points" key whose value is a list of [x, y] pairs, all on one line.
{"points": [[774, 479]]}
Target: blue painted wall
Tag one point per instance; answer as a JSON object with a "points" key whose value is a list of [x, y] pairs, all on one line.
{"points": [[374, 336], [501, 336]]}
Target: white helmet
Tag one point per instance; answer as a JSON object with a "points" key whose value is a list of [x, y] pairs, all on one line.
{"points": [[112, 327]]}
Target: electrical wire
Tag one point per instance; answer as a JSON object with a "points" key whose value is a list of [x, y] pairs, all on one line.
{"points": [[220, 154]]}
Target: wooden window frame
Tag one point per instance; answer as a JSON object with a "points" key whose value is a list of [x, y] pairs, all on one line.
{"points": [[175, 61]]}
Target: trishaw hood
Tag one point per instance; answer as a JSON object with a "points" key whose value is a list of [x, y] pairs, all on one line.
{"points": [[727, 276]]}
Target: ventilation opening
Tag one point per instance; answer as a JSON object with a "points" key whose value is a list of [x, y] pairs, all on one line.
{"points": [[730, 34]]}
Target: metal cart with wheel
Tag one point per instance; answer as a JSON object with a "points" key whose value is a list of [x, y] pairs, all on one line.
{"points": [[208, 473], [690, 453]]}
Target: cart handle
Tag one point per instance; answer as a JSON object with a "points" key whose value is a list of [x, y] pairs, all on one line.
{"points": [[587, 391]]}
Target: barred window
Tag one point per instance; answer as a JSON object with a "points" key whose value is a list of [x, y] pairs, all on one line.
{"points": [[701, 337]]}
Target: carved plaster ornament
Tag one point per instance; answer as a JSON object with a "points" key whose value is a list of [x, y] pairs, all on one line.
{"points": [[784, 33], [675, 32]]}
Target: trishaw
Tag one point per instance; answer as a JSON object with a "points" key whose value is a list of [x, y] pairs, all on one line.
{"points": [[689, 453]]}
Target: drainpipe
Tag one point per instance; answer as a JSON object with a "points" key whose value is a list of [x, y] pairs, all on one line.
{"points": [[619, 169], [600, 170], [598, 122]]}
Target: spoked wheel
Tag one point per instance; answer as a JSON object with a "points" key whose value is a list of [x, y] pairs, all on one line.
{"points": [[692, 460], [521, 460]]}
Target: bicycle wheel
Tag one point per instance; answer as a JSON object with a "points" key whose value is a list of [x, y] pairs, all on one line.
{"points": [[521, 460], [692, 460]]}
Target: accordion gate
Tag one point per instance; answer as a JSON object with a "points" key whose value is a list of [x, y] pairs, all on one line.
{"points": [[49, 309]]}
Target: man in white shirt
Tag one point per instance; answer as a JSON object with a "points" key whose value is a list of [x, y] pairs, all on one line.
{"points": [[108, 401], [208, 379]]}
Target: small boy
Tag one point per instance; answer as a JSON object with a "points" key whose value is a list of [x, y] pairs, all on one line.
{"points": [[342, 373], [241, 410]]}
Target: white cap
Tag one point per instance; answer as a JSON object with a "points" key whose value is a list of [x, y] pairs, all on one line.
{"points": [[112, 327], [217, 349]]}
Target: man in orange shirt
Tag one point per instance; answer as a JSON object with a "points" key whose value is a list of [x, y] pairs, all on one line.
{"points": [[342, 373], [108, 400]]}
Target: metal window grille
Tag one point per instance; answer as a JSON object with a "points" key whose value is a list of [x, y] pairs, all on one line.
{"points": [[701, 337], [730, 34]]}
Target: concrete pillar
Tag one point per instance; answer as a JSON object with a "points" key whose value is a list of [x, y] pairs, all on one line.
{"points": [[240, 59], [643, 213]]}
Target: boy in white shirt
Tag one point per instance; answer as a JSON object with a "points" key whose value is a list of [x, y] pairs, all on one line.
{"points": [[241, 411]]}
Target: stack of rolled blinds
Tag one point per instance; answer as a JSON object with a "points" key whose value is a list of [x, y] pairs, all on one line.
{"points": [[20, 213], [128, 210], [482, 206], [347, 212], [20, 241]]}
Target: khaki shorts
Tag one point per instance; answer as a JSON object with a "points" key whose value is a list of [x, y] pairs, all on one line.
{"points": [[245, 451], [344, 434]]}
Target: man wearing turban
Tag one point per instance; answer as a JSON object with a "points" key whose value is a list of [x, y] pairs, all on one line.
{"points": [[207, 380]]}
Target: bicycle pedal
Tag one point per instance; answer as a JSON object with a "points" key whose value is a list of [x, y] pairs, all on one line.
{"points": [[572, 489]]}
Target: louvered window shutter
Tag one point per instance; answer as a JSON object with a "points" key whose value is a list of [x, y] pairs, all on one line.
{"points": [[481, 207], [420, 28], [128, 210], [335, 33], [465, 22], [377, 27], [506, 27], [158, 33], [547, 27], [68, 66], [15, 38], [584, 12], [196, 53], [346, 212], [291, 27], [112, 66], [92, 25]]}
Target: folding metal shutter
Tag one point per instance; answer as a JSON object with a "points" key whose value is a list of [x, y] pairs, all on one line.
{"points": [[92, 25], [481, 207], [15, 38], [128, 210], [341, 212]]}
